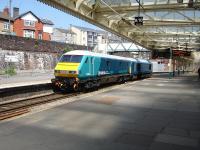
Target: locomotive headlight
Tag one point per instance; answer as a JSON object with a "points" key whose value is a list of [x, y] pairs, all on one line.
{"points": [[61, 71], [73, 72], [56, 71]]}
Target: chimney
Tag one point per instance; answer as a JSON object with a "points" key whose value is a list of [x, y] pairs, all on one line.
{"points": [[15, 12], [6, 12]]}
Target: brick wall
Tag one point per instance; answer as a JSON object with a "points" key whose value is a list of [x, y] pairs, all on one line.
{"points": [[46, 36], [18, 27]]}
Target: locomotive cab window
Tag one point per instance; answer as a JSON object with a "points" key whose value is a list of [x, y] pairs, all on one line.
{"points": [[71, 58]]}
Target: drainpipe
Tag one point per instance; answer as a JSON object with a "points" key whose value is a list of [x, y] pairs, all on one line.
{"points": [[9, 21]]}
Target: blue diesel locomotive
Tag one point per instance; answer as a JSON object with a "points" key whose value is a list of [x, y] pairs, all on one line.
{"points": [[80, 70]]}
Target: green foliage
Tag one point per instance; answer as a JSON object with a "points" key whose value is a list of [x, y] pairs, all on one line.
{"points": [[27, 38], [10, 71], [36, 44], [2, 72], [67, 49]]}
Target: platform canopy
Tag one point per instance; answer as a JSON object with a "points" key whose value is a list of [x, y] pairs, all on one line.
{"points": [[154, 24]]}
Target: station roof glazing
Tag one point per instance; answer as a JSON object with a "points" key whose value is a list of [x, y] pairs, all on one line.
{"points": [[166, 23]]}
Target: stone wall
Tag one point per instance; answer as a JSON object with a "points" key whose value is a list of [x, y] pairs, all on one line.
{"points": [[22, 60], [8, 42], [31, 54]]}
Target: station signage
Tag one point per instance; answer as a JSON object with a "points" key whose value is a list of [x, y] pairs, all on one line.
{"points": [[138, 21], [181, 53], [161, 54]]}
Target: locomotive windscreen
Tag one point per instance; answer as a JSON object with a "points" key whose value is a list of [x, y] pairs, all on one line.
{"points": [[71, 58]]}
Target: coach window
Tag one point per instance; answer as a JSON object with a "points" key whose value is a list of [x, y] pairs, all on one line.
{"points": [[120, 64], [150, 67], [107, 63], [138, 67], [92, 60], [86, 61]]}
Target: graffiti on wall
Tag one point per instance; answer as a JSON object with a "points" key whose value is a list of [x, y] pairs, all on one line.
{"points": [[27, 60]]}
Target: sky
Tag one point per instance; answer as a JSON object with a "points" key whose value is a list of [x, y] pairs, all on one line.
{"points": [[59, 18]]}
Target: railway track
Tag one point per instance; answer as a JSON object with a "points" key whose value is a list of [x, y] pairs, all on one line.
{"points": [[16, 108]]}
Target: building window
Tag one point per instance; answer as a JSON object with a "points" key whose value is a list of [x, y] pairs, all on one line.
{"points": [[6, 26], [40, 36], [29, 23], [29, 33], [90, 36], [89, 33]]}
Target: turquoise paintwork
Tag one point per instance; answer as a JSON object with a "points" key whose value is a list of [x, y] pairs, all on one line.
{"points": [[93, 66], [89, 67]]}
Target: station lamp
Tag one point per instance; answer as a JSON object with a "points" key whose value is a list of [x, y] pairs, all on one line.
{"points": [[138, 19]]}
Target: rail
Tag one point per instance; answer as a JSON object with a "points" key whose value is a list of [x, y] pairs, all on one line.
{"points": [[16, 108]]}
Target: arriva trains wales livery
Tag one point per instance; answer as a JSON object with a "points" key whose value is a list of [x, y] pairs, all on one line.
{"points": [[82, 70]]}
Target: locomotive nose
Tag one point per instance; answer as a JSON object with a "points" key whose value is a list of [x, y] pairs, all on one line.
{"points": [[66, 69]]}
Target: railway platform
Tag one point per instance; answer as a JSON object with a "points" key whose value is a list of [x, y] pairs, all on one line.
{"points": [[25, 79], [21, 84], [150, 114], [24, 84]]}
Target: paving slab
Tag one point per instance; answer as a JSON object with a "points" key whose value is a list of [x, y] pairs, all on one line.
{"points": [[151, 114], [178, 140], [20, 84], [176, 131]]}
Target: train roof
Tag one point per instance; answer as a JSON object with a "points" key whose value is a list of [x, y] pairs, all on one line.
{"points": [[143, 61], [88, 53]]}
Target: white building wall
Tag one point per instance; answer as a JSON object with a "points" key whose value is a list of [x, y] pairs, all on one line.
{"points": [[101, 48], [81, 36], [70, 38], [48, 28], [63, 37], [30, 17], [84, 42], [74, 37], [101, 39]]}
